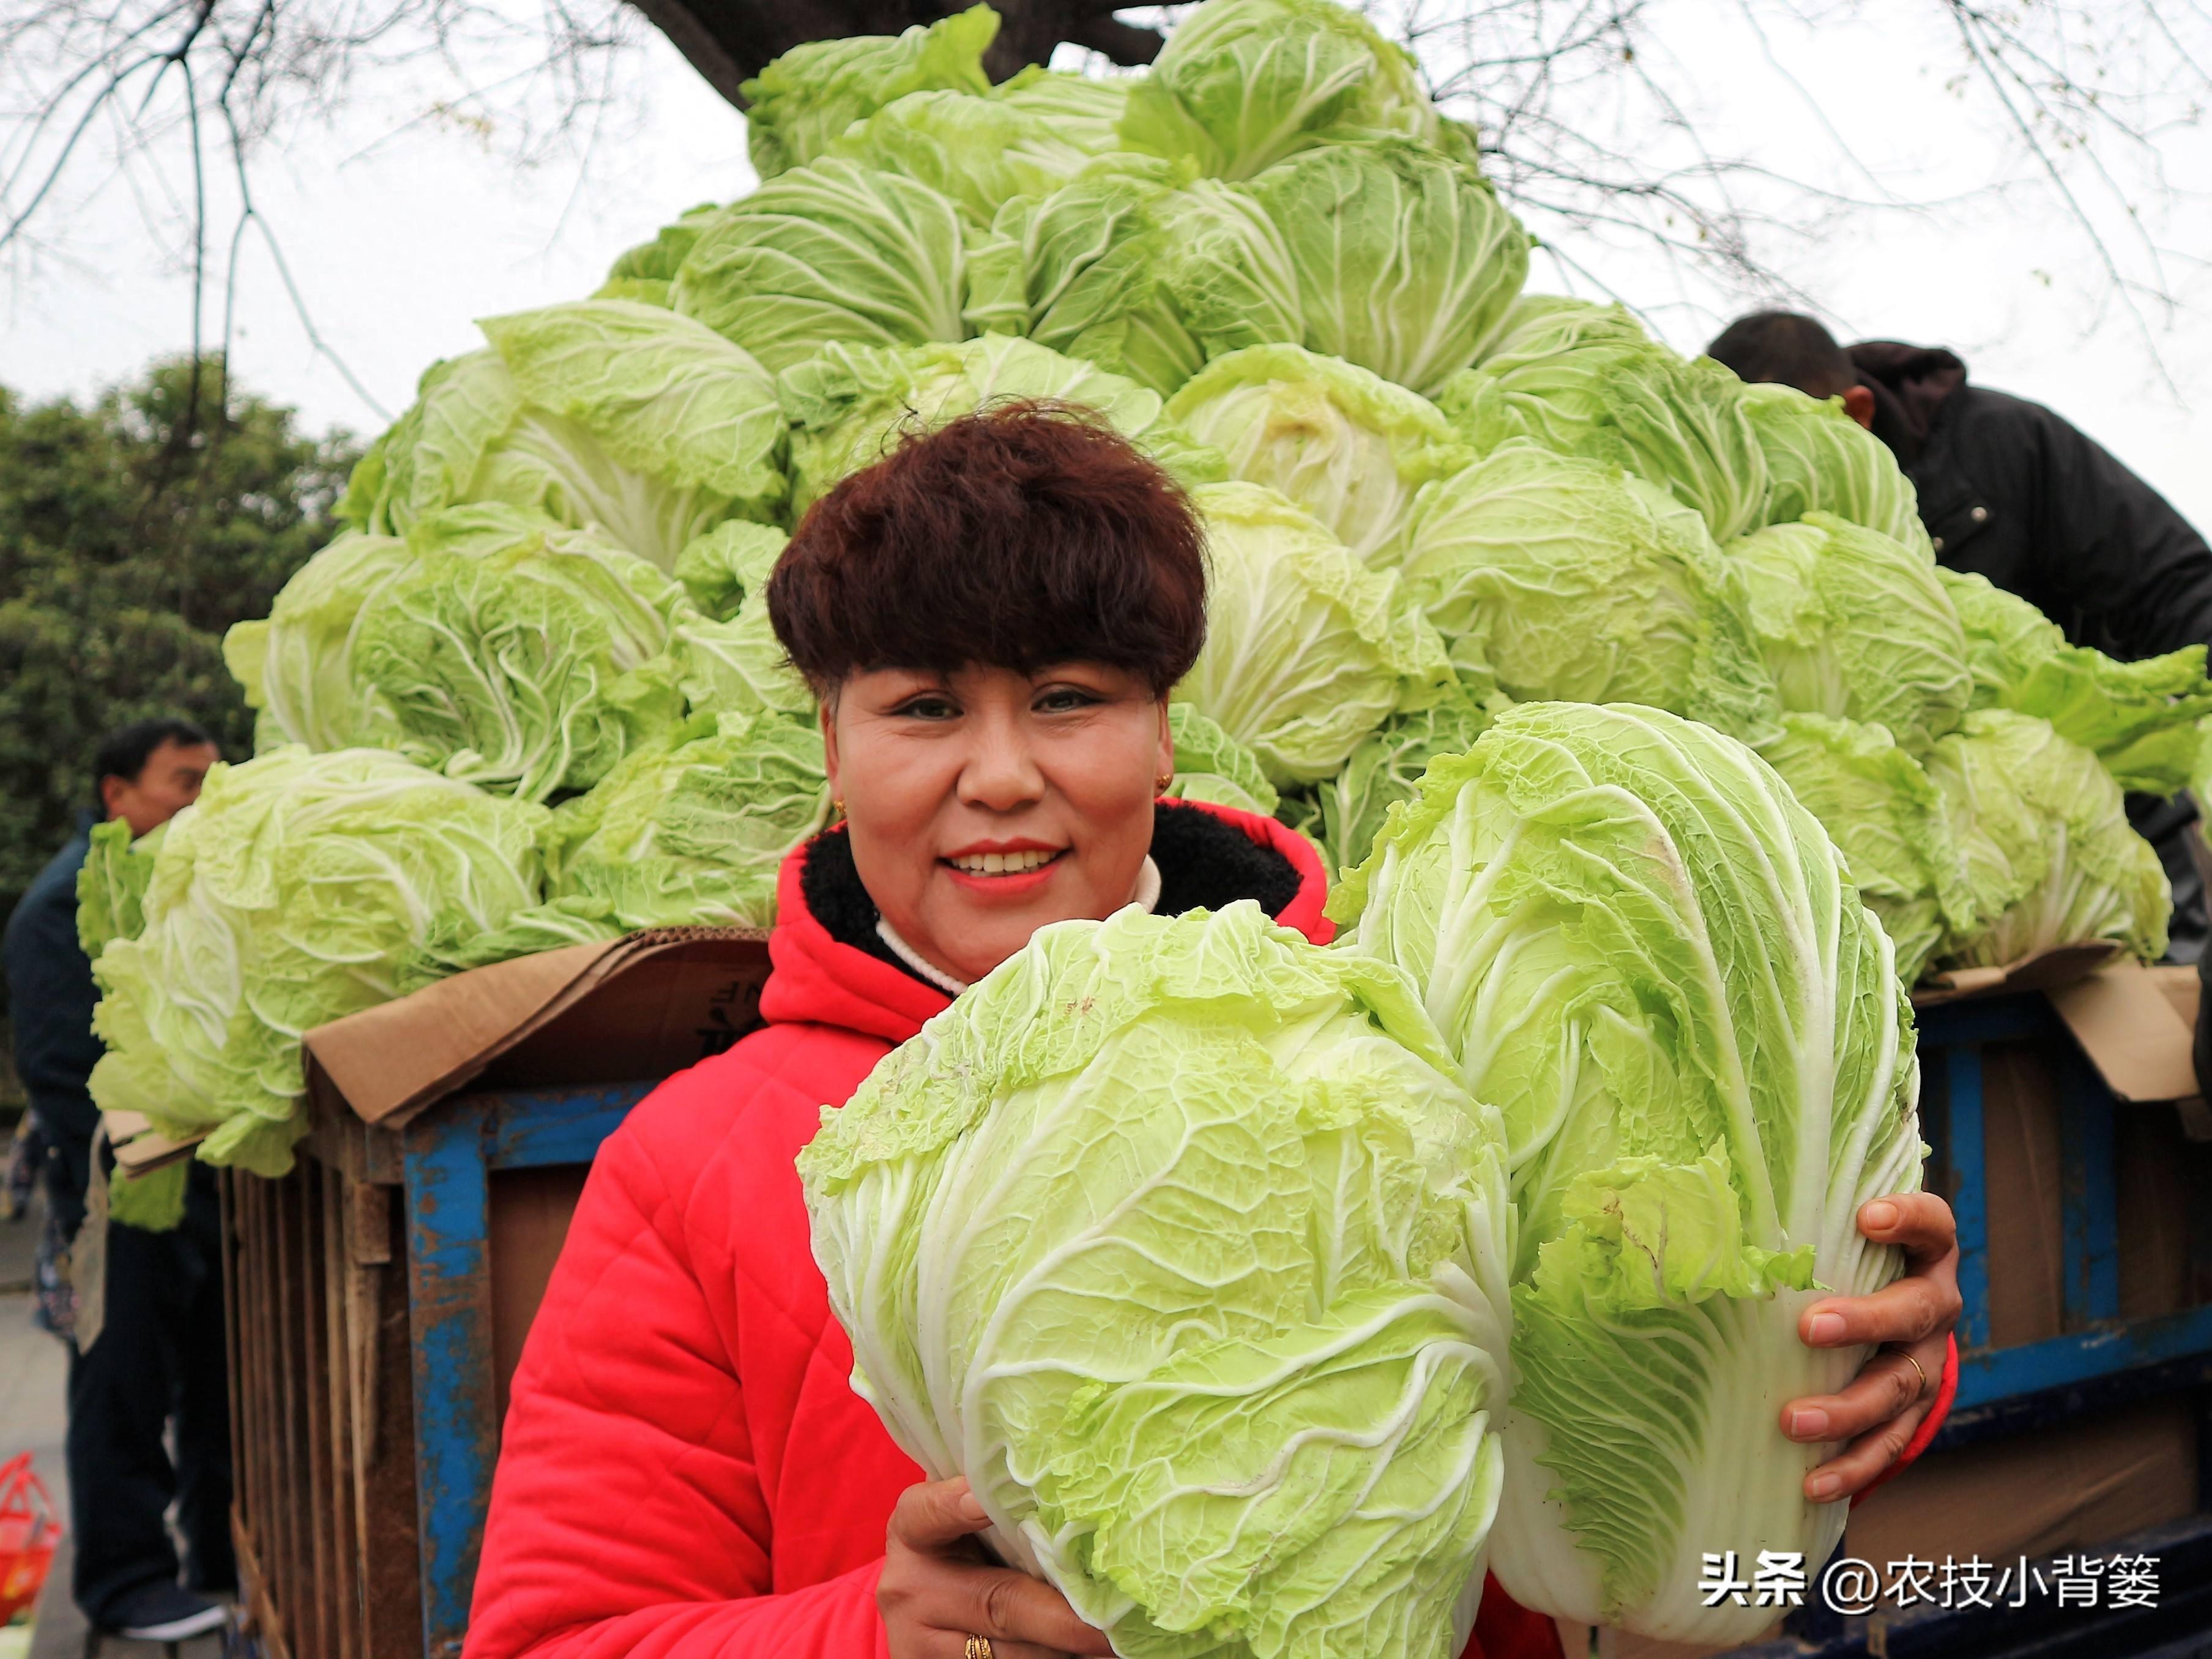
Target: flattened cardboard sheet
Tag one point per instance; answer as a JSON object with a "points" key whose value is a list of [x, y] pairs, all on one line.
{"points": [[638, 1007], [2061, 964]]}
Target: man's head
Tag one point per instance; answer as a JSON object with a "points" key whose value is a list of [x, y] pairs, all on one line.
{"points": [[1785, 347], [151, 770]]}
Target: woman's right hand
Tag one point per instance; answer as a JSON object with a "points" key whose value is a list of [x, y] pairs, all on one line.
{"points": [[938, 1591]]}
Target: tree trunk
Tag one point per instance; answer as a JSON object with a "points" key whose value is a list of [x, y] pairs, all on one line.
{"points": [[728, 41]]}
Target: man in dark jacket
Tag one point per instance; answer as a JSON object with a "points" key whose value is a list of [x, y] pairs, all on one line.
{"points": [[2011, 491], [158, 1354]]}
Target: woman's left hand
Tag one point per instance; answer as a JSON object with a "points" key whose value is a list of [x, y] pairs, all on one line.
{"points": [[1878, 1413]]}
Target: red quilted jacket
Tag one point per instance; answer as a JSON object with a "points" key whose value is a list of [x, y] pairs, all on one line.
{"points": [[686, 1472]]}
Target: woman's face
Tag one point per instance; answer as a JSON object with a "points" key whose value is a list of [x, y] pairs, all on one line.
{"points": [[985, 803]]}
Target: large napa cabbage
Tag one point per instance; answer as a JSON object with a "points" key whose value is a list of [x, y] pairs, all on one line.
{"points": [[1647, 955], [1406, 260], [1307, 650], [1137, 269], [1347, 445], [850, 407], [802, 103], [609, 415], [1853, 625], [692, 832], [1243, 84], [1599, 393], [2139, 718], [2049, 857], [1569, 581], [1818, 459], [492, 645], [835, 252], [293, 892], [1387, 767], [979, 153], [1176, 1237], [1210, 765], [1888, 818]]}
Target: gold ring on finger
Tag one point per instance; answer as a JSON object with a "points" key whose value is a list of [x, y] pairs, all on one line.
{"points": [[979, 1647], [1905, 1354]]}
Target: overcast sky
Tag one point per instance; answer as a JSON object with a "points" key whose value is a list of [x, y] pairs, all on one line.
{"points": [[399, 229]]}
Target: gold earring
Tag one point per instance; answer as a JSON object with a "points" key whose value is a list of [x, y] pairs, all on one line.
{"points": [[837, 804], [1160, 783]]}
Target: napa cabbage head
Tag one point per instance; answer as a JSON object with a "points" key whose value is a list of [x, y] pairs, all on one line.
{"points": [[1212, 766], [517, 654], [1307, 650], [727, 658], [1243, 84], [800, 104], [2050, 856], [289, 895], [1888, 818], [1818, 459], [646, 273], [1176, 1237], [1347, 445], [979, 153], [1632, 403], [606, 414], [850, 408], [835, 252], [1406, 260], [1853, 625], [1569, 580], [1387, 767], [296, 666], [2139, 718], [1542, 324], [1085, 109], [1649, 956], [693, 830]]}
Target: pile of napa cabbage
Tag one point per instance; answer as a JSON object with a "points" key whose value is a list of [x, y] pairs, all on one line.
{"points": [[1264, 1290]]}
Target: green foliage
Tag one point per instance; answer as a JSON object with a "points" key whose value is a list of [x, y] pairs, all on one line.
{"points": [[134, 530]]}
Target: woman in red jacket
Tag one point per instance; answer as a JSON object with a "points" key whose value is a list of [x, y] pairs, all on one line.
{"points": [[993, 617]]}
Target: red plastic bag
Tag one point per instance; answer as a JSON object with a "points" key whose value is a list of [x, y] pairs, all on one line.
{"points": [[29, 1529]]}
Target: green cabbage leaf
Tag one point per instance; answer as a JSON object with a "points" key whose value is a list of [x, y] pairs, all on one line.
{"points": [[849, 407], [1888, 818], [1306, 650], [1210, 765], [832, 253], [802, 103], [2050, 856], [1570, 582], [1241, 84], [1818, 459], [1593, 392], [1853, 625], [2139, 718], [1344, 444], [1406, 260]]}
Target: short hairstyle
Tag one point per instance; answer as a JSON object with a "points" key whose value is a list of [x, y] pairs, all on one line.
{"points": [[123, 753], [1026, 534], [1785, 347]]}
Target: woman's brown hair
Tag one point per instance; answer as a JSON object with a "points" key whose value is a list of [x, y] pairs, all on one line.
{"points": [[1019, 536]]}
